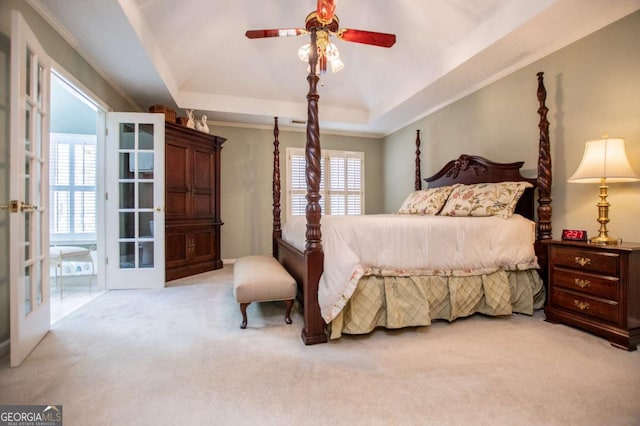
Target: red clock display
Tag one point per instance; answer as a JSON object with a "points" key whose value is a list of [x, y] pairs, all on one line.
{"points": [[574, 235]]}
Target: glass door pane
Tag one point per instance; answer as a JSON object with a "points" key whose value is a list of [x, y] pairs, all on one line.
{"points": [[135, 195]]}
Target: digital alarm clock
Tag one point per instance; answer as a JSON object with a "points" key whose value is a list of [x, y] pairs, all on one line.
{"points": [[574, 235]]}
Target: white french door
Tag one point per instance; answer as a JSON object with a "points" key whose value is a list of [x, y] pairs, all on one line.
{"points": [[134, 201], [28, 220]]}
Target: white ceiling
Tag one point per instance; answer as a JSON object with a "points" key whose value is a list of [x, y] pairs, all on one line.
{"points": [[192, 54]]}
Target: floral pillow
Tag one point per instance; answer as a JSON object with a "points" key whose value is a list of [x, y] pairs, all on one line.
{"points": [[426, 201], [485, 199]]}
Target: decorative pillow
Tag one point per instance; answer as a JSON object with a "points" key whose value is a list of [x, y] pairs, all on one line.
{"points": [[426, 201], [485, 199]]}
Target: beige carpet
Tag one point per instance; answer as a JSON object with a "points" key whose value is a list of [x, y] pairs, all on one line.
{"points": [[177, 356]]}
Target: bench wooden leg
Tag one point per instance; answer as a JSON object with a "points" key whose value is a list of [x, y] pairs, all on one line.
{"points": [[287, 315], [243, 309]]}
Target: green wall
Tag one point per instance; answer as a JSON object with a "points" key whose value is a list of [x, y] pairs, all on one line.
{"points": [[593, 87]]}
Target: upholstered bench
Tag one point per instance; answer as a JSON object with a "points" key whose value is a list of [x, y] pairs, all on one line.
{"points": [[261, 278]]}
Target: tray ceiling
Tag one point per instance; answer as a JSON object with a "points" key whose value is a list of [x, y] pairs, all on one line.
{"points": [[193, 54]]}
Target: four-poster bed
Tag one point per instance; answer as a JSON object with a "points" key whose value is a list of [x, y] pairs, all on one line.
{"points": [[306, 262]]}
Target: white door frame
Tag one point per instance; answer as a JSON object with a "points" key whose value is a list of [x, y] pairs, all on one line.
{"points": [[101, 127]]}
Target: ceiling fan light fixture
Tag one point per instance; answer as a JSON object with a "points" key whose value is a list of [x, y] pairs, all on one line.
{"points": [[327, 52], [321, 23]]}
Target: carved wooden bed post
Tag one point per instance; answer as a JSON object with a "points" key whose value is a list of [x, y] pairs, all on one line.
{"points": [[277, 224], [313, 331], [543, 231], [544, 166], [418, 185]]}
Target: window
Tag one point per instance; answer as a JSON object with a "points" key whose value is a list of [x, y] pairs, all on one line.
{"points": [[72, 183], [341, 182]]}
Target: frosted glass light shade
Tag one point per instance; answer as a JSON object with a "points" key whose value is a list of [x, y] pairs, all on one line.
{"points": [[604, 158], [304, 52], [330, 54]]}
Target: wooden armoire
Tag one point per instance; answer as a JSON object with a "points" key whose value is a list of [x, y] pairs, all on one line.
{"points": [[192, 201]]}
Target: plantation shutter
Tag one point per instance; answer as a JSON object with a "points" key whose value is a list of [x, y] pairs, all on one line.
{"points": [[72, 182], [337, 186], [84, 202], [59, 180], [297, 185], [341, 183], [355, 185]]}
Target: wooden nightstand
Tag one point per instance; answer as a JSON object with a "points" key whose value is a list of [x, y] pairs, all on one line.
{"points": [[596, 288]]}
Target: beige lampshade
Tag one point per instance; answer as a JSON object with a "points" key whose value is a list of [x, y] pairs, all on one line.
{"points": [[604, 158]]}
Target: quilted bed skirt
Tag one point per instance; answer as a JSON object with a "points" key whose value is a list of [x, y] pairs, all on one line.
{"points": [[406, 301]]}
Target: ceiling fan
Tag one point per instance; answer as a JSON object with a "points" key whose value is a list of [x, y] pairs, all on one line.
{"points": [[324, 22]]}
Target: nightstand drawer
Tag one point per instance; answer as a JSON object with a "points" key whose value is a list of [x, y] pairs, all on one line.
{"points": [[603, 309], [600, 262], [596, 285]]}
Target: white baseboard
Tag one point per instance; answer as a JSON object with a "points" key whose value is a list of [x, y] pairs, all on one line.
{"points": [[229, 261]]}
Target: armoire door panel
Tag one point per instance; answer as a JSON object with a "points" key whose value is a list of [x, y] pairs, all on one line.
{"points": [[204, 247], [203, 168], [202, 206], [177, 204], [176, 247], [176, 174], [203, 183]]}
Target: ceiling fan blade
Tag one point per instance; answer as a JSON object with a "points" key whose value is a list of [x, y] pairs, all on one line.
{"points": [[367, 37], [326, 10], [282, 32]]}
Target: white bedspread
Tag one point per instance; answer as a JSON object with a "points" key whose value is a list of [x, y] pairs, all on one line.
{"points": [[412, 245]]}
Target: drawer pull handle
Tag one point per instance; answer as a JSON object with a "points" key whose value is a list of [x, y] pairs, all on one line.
{"points": [[582, 261], [582, 283], [581, 305]]}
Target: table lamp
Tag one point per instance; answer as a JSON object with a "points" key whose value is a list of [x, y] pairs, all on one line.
{"points": [[604, 161]]}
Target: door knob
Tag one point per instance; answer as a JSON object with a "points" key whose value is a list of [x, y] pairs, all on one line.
{"points": [[27, 207], [158, 209], [12, 206]]}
